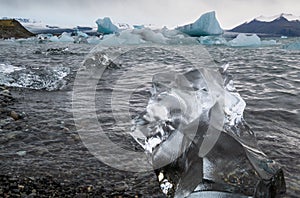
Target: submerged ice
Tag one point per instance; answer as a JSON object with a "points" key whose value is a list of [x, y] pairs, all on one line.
{"points": [[195, 136]]}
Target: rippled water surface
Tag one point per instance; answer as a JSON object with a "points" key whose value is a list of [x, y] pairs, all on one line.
{"points": [[267, 78]]}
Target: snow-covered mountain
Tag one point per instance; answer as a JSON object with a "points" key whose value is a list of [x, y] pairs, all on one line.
{"points": [[278, 25], [289, 17]]}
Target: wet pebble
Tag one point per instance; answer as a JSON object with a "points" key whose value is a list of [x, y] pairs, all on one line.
{"points": [[14, 115]]}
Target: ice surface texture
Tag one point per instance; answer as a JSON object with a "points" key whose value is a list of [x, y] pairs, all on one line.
{"points": [[197, 140], [206, 25], [242, 40]]}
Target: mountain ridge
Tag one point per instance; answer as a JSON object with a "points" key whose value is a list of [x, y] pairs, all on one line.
{"points": [[280, 26]]}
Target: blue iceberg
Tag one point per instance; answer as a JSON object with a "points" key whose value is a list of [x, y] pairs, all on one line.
{"points": [[105, 26], [206, 25]]}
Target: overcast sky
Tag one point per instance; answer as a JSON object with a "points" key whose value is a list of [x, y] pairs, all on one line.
{"points": [[159, 12]]}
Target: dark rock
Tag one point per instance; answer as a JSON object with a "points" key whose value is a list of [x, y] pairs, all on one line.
{"points": [[11, 28], [14, 115]]}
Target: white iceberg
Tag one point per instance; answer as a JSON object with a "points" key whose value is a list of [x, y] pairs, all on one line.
{"points": [[242, 40], [106, 26], [66, 37], [54, 39], [206, 25]]}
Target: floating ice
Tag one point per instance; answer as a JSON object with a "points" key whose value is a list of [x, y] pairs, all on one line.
{"points": [[146, 35], [212, 40], [66, 37], [268, 42], [94, 40], [292, 46], [81, 34], [195, 136], [54, 39], [242, 40], [105, 26], [42, 78], [206, 25], [7, 69]]}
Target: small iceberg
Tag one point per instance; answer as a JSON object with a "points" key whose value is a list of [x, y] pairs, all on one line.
{"points": [[242, 40], [206, 25], [105, 26]]}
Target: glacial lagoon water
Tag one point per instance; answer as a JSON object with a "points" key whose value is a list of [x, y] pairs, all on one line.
{"points": [[267, 78]]}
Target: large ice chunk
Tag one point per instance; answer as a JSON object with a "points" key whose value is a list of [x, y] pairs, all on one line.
{"points": [[206, 25], [195, 136], [106, 26], [242, 40]]}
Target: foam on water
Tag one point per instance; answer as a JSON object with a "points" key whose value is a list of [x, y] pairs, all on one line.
{"points": [[49, 78]]}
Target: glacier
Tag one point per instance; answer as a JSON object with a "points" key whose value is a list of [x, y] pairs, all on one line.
{"points": [[206, 25], [198, 142], [105, 26]]}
